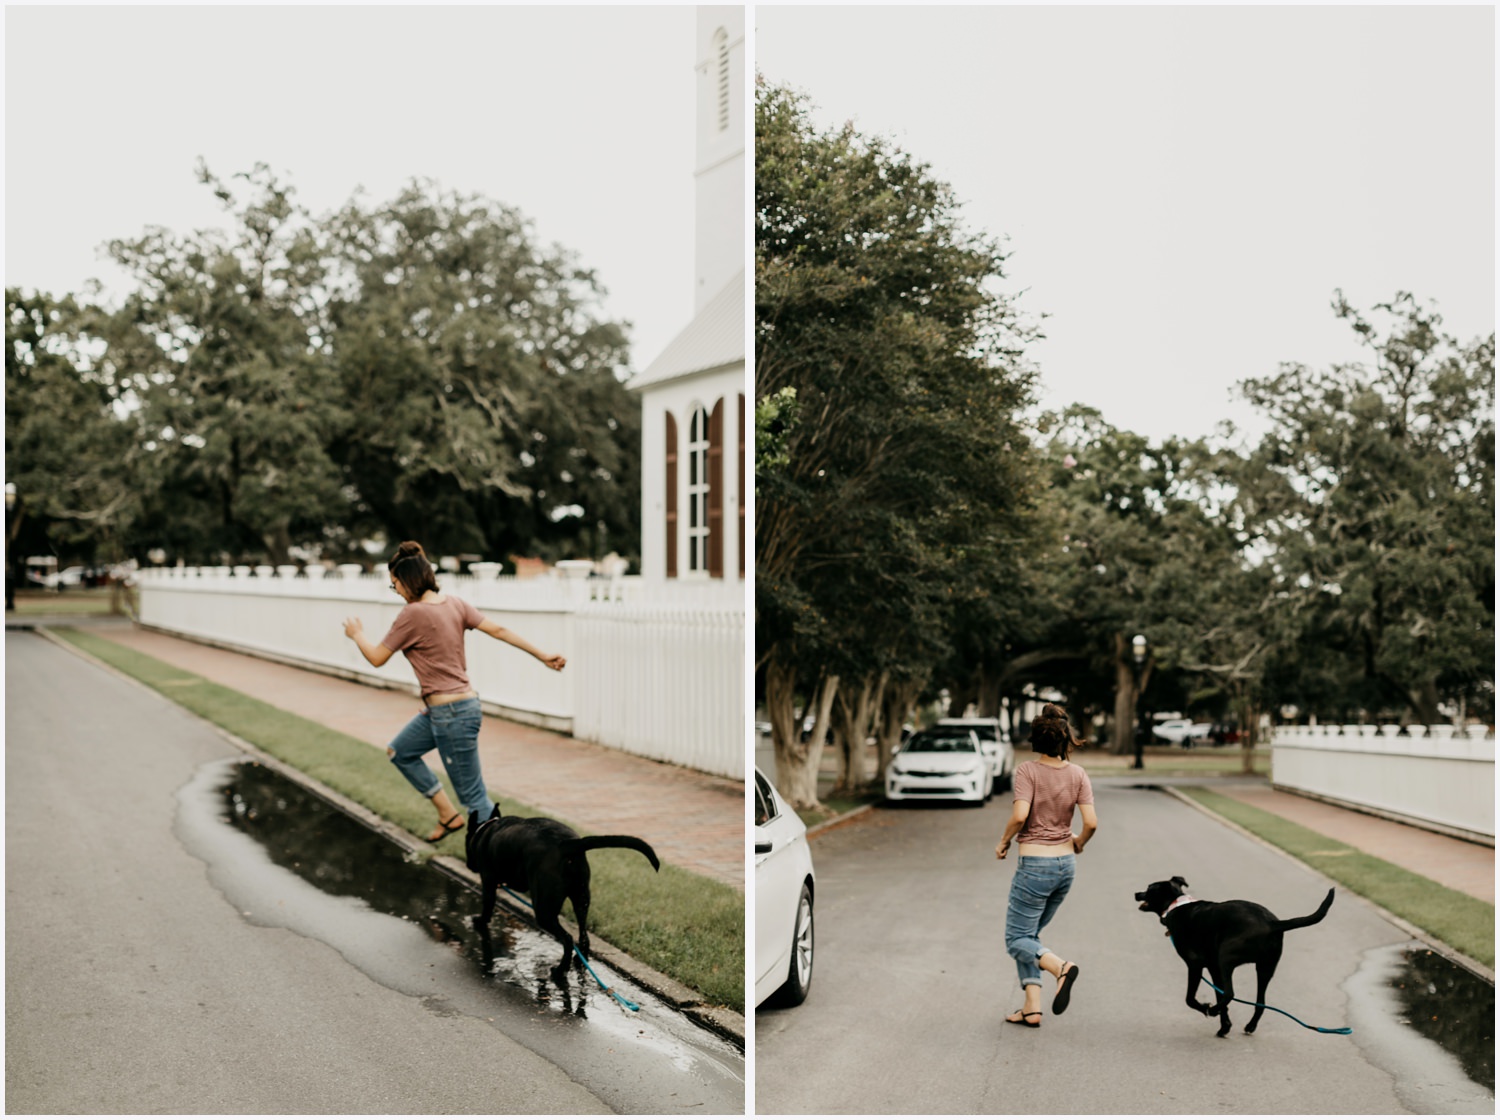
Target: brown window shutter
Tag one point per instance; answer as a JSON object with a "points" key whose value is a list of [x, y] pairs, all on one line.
{"points": [[671, 496], [716, 491], [741, 487]]}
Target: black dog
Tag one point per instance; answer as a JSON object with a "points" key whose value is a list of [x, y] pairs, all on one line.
{"points": [[544, 858], [1220, 936]]}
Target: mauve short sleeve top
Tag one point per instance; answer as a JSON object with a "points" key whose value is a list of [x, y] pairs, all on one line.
{"points": [[1053, 792], [432, 637]]}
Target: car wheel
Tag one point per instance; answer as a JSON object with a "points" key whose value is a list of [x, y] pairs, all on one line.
{"points": [[799, 972]]}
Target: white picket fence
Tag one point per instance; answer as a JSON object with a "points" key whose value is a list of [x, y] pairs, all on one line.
{"points": [[658, 671], [1438, 777]]}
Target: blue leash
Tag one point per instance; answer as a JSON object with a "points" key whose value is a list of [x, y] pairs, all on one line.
{"points": [[607, 990], [1288, 1014], [1268, 1007]]}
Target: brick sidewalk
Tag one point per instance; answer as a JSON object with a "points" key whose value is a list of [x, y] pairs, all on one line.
{"points": [[1458, 864], [694, 821]]}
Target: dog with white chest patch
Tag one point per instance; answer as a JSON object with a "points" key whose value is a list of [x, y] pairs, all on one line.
{"points": [[1219, 937]]}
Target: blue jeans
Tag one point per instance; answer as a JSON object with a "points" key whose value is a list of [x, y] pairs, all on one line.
{"points": [[1036, 891], [453, 731]]}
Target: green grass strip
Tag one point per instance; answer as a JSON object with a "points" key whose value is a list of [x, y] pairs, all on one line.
{"points": [[1466, 923], [834, 806], [91, 601], [684, 925], [1228, 762]]}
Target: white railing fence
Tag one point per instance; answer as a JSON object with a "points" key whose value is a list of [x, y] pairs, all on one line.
{"points": [[1439, 777], [655, 671], [668, 683]]}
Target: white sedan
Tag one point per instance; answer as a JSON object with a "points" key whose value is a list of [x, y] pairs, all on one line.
{"points": [[940, 762], [783, 900], [995, 744], [1181, 731]]}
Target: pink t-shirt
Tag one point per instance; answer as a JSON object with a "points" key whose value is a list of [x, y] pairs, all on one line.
{"points": [[1053, 792], [432, 637]]}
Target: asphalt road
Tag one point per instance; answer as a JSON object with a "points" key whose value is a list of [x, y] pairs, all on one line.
{"points": [[911, 983], [156, 963]]}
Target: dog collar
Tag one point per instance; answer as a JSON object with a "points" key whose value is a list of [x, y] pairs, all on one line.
{"points": [[1180, 900]]}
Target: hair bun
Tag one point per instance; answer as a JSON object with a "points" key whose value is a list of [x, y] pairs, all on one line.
{"points": [[1052, 711], [409, 548]]}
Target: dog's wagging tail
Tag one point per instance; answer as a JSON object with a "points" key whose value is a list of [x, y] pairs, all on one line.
{"points": [[592, 843]]}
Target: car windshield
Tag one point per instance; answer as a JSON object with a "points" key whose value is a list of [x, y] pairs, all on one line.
{"points": [[935, 743], [986, 731]]}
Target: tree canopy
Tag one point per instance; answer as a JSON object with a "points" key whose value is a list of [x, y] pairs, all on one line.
{"points": [[299, 384], [904, 468], [919, 538]]}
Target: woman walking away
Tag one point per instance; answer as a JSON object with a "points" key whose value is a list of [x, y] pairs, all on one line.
{"points": [[1046, 790], [430, 631]]}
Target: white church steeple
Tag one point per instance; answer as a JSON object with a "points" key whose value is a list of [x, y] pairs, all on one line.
{"points": [[720, 164]]}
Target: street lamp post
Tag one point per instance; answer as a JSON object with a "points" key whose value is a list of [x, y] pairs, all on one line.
{"points": [[1138, 654]]}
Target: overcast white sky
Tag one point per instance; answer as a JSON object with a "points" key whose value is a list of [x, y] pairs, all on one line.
{"points": [[582, 118], [1184, 187]]}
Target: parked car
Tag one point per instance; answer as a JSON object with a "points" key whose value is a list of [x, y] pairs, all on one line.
{"points": [[940, 762], [54, 581], [1223, 733], [1182, 732], [784, 891], [995, 743]]}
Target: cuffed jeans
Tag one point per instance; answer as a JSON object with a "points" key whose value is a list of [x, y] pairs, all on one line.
{"points": [[453, 731], [1037, 889]]}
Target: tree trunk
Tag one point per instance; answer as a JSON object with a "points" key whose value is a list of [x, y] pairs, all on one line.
{"points": [[854, 719], [1121, 740], [895, 706], [822, 705], [1014, 705], [1424, 702], [1249, 720], [278, 542], [989, 692], [796, 761], [1127, 692], [962, 693]]}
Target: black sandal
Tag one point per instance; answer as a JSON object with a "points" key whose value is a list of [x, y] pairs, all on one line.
{"points": [[1024, 1016], [446, 828], [1064, 988]]}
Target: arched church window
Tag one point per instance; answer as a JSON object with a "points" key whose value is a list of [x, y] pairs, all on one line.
{"points": [[697, 491]]}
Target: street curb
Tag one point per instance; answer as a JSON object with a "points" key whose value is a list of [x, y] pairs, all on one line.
{"points": [[728, 1024], [824, 826], [1463, 960]]}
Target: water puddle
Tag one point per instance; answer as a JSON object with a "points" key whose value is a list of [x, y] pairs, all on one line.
{"points": [[1429, 1024], [1451, 1006], [339, 856], [292, 860]]}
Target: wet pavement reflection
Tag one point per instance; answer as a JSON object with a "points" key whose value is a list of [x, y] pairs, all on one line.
{"points": [[291, 859], [1451, 1006], [339, 856]]}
